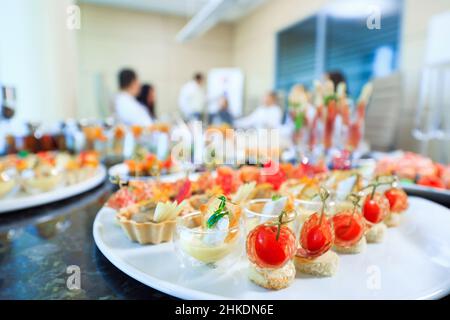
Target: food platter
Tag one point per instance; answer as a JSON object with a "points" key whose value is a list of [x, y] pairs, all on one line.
{"points": [[21, 200], [413, 263]]}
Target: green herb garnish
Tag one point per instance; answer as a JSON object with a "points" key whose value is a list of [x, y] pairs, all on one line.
{"points": [[276, 197], [218, 214]]}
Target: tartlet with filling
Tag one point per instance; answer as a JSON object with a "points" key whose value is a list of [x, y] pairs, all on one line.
{"points": [[150, 222]]}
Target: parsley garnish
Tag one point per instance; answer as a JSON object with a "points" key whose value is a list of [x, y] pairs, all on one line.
{"points": [[218, 214]]}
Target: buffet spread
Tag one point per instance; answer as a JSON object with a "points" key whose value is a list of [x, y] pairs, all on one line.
{"points": [[296, 222]]}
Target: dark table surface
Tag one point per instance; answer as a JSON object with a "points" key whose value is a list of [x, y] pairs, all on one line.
{"points": [[38, 245]]}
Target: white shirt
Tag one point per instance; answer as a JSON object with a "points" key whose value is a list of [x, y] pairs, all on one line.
{"points": [[129, 111], [267, 117], [192, 99]]}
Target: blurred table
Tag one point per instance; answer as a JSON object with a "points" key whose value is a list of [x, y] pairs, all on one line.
{"points": [[37, 246]]}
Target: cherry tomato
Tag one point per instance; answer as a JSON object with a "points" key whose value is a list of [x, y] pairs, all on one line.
{"points": [[375, 209], [348, 228], [265, 250], [316, 237], [398, 200], [372, 211]]}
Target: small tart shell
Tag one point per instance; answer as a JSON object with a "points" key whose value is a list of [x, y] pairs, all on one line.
{"points": [[146, 232]]}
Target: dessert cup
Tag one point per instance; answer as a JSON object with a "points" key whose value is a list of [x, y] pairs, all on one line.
{"points": [[197, 246]]}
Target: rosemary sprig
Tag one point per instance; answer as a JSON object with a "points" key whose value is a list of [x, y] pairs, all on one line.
{"points": [[218, 214]]}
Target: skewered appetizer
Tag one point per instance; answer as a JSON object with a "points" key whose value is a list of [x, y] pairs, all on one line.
{"points": [[150, 222], [313, 255], [375, 210], [209, 236], [270, 249], [398, 203], [349, 227]]}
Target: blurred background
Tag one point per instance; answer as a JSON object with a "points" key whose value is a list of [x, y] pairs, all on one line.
{"points": [[59, 59]]}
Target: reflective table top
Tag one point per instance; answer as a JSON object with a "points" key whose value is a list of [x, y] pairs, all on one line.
{"points": [[42, 250]]}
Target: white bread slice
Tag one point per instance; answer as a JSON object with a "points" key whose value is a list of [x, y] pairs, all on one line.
{"points": [[273, 279], [376, 233], [393, 219], [358, 247], [324, 266]]}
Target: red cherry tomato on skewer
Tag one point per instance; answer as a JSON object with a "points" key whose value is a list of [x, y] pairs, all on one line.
{"points": [[266, 250], [316, 237], [375, 208], [348, 228], [398, 200]]}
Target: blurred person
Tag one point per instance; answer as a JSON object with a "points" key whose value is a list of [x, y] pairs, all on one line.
{"points": [[336, 77], [128, 110], [192, 99], [147, 98], [223, 115], [267, 116]]}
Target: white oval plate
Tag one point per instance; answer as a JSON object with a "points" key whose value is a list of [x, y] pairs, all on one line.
{"points": [[22, 200], [412, 263]]}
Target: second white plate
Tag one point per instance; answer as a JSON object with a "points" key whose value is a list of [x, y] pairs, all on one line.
{"points": [[23, 201]]}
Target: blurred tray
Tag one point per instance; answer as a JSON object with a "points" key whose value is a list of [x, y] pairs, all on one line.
{"points": [[22, 200]]}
